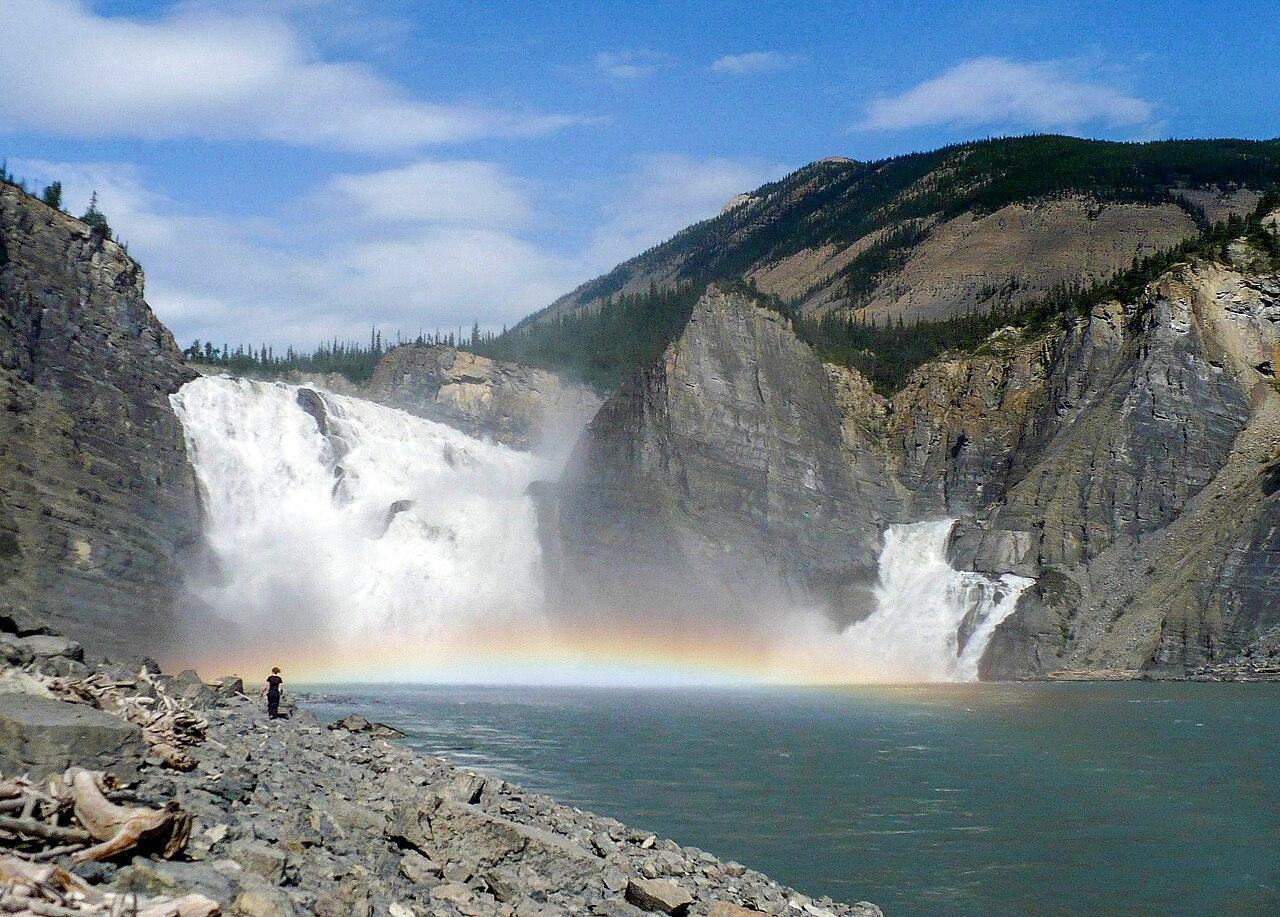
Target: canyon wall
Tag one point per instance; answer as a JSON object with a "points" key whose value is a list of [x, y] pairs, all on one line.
{"points": [[1129, 460], [96, 497]]}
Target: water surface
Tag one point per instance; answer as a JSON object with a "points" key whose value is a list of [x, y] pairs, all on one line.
{"points": [[1125, 798]]}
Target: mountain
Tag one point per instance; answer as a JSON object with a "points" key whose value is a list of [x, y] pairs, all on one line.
{"points": [[980, 227], [1125, 452], [97, 500]]}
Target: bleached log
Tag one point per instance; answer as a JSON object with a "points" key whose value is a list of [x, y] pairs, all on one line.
{"points": [[122, 828]]}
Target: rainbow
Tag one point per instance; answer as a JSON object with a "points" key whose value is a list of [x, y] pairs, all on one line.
{"points": [[611, 655]]}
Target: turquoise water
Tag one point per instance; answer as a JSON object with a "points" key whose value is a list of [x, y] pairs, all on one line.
{"points": [[1126, 798]]}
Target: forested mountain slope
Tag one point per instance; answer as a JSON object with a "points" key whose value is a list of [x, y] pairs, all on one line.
{"points": [[975, 228]]}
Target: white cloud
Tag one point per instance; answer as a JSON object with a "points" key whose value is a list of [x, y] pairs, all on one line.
{"points": [[433, 244], [756, 62], [309, 274], [665, 194], [1000, 92], [202, 72], [630, 65], [461, 192]]}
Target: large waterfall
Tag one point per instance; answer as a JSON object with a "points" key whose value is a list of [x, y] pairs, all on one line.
{"points": [[932, 623], [382, 544], [381, 527]]}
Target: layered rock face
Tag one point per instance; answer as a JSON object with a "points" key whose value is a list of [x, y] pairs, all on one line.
{"points": [[720, 479], [516, 405], [96, 496], [1148, 512], [1129, 461]]}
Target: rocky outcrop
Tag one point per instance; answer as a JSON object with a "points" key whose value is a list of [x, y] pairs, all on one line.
{"points": [[722, 478], [96, 497], [514, 404], [1129, 461], [1147, 513], [43, 736]]}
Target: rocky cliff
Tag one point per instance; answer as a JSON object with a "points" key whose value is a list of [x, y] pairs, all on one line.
{"points": [[719, 478], [96, 496], [1129, 459], [1147, 506], [516, 405]]}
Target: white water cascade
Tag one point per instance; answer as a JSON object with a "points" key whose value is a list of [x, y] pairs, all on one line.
{"points": [[382, 527], [932, 622]]}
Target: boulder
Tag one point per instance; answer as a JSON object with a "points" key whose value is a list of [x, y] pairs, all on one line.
{"points": [[228, 687], [44, 736], [660, 895], [44, 645], [260, 859], [188, 686], [353, 723], [418, 869]]}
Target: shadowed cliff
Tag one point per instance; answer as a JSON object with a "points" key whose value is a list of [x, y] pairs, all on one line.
{"points": [[96, 496]]}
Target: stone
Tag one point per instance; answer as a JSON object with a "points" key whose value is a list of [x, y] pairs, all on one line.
{"points": [[660, 895], [228, 687], [263, 901], [352, 816], [726, 909], [516, 405], [175, 878], [353, 723], [261, 860], [13, 652], [188, 686], [44, 736], [42, 645], [418, 869]]}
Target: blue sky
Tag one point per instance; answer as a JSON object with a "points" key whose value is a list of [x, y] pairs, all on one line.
{"points": [[287, 170]]}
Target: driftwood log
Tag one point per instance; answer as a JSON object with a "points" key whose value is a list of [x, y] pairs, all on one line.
{"points": [[169, 726], [119, 829], [50, 891]]}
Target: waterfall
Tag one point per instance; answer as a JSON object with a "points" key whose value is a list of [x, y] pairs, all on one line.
{"points": [[931, 623], [332, 518], [359, 535]]}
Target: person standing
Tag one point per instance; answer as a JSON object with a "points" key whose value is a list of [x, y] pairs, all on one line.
{"points": [[272, 691]]}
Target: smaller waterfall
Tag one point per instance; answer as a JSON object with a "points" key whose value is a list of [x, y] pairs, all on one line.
{"points": [[932, 622]]}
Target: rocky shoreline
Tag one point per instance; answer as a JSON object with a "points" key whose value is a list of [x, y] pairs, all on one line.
{"points": [[290, 817]]}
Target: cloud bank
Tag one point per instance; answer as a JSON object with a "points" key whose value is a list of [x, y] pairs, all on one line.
{"points": [[997, 91], [202, 73], [432, 244]]}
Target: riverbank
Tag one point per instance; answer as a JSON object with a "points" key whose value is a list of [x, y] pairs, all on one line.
{"points": [[293, 818]]}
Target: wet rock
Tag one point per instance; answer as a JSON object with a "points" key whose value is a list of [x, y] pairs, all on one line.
{"points": [[44, 736], [660, 895]]}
